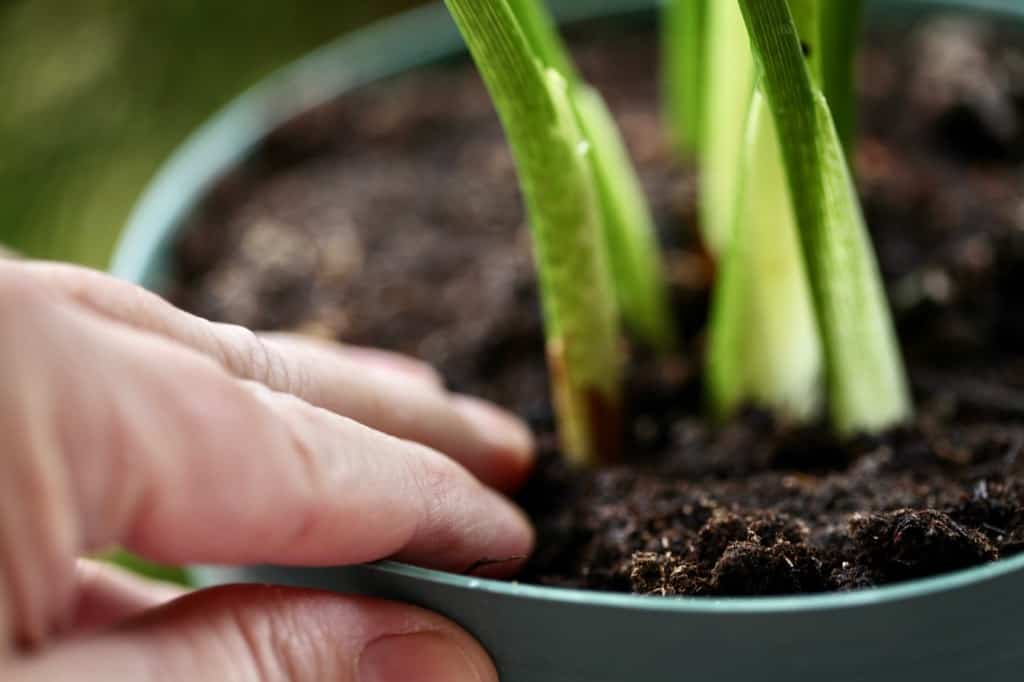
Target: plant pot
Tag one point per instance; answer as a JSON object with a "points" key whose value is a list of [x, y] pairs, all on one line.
{"points": [[943, 628]]}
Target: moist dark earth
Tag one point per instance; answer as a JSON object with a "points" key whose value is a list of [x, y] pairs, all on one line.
{"points": [[391, 218]]}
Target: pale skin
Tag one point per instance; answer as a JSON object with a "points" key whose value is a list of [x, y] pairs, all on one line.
{"points": [[127, 422]]}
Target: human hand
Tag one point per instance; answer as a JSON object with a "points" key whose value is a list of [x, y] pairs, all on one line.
{"points": [[124, 421]]}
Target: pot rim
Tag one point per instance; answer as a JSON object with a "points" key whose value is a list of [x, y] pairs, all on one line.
{"points": [[354, 60], [906, 591]]}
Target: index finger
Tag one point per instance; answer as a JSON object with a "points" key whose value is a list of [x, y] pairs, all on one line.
{"points": [[401, 397]]}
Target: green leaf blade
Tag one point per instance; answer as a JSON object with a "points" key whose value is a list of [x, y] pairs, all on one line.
{"points": [[552, 159], [584, 353], [869, 389], [630, 234], [728, 87], [841, 23], [684, 64], [866, 380], [633, 250], [542, 35], [764, 347]]}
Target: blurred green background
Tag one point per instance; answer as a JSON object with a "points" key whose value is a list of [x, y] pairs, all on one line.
{"points": [[98, 92]]}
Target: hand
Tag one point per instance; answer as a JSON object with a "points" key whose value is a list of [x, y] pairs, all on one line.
{"points": [[124, 421]]}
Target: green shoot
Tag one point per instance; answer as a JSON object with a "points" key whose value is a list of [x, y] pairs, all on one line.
{"points": [[866, 382], [684, 53], [829, 36], [807, 16], [629, 231], [764, 346], [764, 343], [540, 30], [840, 34], [729, 82], [552, 158], [724, 84], [626, 218]]}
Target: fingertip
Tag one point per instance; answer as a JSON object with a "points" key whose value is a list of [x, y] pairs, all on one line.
{"points": [[501, 432], [425, 641], [510, 542], [518, 539]]}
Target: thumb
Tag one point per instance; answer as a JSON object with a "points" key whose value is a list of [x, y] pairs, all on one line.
{"points": [[271, 634]]}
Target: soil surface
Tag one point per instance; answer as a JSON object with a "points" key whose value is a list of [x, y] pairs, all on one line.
{"points": [[391, 218]]}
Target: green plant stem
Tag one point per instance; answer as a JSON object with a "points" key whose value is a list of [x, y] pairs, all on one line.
{"points": [[552, 158], [684, 52], [629, 231], [628, 226], [764, 346], [541, 32], [729, 82], [841, 24], [829, 35], [866, 380], [807, 16]]}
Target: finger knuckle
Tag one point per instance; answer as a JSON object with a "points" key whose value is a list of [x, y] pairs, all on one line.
{"points": [[440, 486], [250, 632], [436, 479], [248, 356], [267, 652]]}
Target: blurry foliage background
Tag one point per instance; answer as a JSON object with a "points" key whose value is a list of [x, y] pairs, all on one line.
{"points": [[97, 93]]}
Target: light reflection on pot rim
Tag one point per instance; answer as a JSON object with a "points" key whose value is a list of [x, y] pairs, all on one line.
{"points": [[355, 60]]}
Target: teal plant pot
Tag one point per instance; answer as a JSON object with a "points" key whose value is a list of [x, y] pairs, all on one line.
{"points": [[965, 625]]}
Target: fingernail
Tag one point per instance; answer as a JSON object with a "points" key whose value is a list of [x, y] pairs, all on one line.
{"points": [[423, 657], [496, 426]]}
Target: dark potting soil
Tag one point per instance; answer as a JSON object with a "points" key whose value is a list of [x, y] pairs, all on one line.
{"points": [[391, 218]]}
